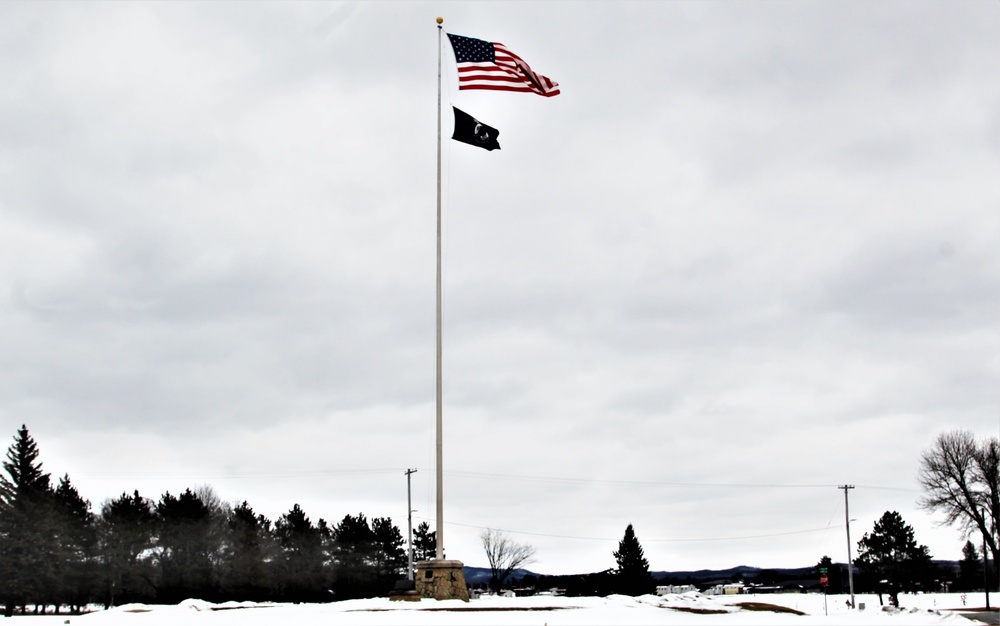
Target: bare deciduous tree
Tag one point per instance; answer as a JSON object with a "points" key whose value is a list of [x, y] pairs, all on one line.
{"points": [[961, 479], [505, 555]]}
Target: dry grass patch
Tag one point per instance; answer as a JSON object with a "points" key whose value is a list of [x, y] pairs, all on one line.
{"points": [[763, 606], [503, 608], [472, 609], [691, 609]]}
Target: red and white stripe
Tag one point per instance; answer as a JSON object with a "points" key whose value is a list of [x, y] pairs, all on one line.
{"points": [[509, 73]]}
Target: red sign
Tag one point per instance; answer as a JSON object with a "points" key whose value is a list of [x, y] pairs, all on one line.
{"points": [[823, 580]]}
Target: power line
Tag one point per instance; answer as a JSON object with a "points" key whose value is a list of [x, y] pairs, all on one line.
{"points": [[699, 539], [248, 474], [647, 483], [478, 475], [637, 483]]}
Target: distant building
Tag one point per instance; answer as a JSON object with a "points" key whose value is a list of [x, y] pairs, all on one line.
{"points": [[663, 590], [728, 589], [555, 591]]}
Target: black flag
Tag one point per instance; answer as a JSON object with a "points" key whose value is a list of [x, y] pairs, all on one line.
{"points": [[473, 132]]}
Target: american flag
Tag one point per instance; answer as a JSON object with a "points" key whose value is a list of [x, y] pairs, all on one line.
{"points": [[485, 65]]}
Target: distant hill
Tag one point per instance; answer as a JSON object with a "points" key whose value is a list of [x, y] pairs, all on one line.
{"points": [[745, 572], [481, 575]]}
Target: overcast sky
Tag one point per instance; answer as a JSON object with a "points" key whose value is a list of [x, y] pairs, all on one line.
{"points": [[749, 254]]}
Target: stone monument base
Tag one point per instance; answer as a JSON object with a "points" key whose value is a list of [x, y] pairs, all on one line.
{"points": [[441, 580]]}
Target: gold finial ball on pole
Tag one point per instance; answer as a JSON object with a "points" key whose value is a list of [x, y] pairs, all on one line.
{"points": [[440, 20]]}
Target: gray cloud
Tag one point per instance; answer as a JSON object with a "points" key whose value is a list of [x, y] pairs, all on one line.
{"points": [[750, 253]]}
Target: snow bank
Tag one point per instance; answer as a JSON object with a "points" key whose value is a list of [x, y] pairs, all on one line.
{"points": [[687, 608]]}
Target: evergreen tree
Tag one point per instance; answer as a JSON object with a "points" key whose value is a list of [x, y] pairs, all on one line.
{"points": [[389, 553], [303, 575], [26, 477], [825, 563], [26, 526], [127, 528], [353, 552], [632, 574], [76, 546], [187, 544], [249, 550], [891, 553], [424, 542], [326, 548], [970, 569]]}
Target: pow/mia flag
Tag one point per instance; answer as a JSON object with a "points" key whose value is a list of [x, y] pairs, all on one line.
{"points": [[473, 132]]}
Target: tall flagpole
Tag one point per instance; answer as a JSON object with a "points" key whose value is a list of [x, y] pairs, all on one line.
{"points": [[439, 544]]}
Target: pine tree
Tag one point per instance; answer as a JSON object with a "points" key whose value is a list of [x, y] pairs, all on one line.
{"points": [[632, 574], [424, 542], [250, 548], [186, 546], [26, 526], [389, 554], [891, 553], [303, 575], [970, 569], [127, 526], [353, 551], [76, 545]]}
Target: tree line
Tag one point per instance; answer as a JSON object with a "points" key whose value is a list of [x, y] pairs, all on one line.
{"points": [[56, 551]]}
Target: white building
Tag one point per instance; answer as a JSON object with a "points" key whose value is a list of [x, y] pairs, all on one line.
{"points": [[663, 590], [725, 590]]}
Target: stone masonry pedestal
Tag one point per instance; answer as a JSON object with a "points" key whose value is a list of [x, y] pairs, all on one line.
{"points": [[441, 580]]}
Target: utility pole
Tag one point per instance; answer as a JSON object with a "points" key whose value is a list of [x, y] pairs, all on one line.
{"points": [[850, 562], [986, 565], [409, 524]]}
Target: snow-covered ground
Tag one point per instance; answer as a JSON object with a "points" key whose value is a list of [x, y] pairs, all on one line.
{"points": [[689, 608]]}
